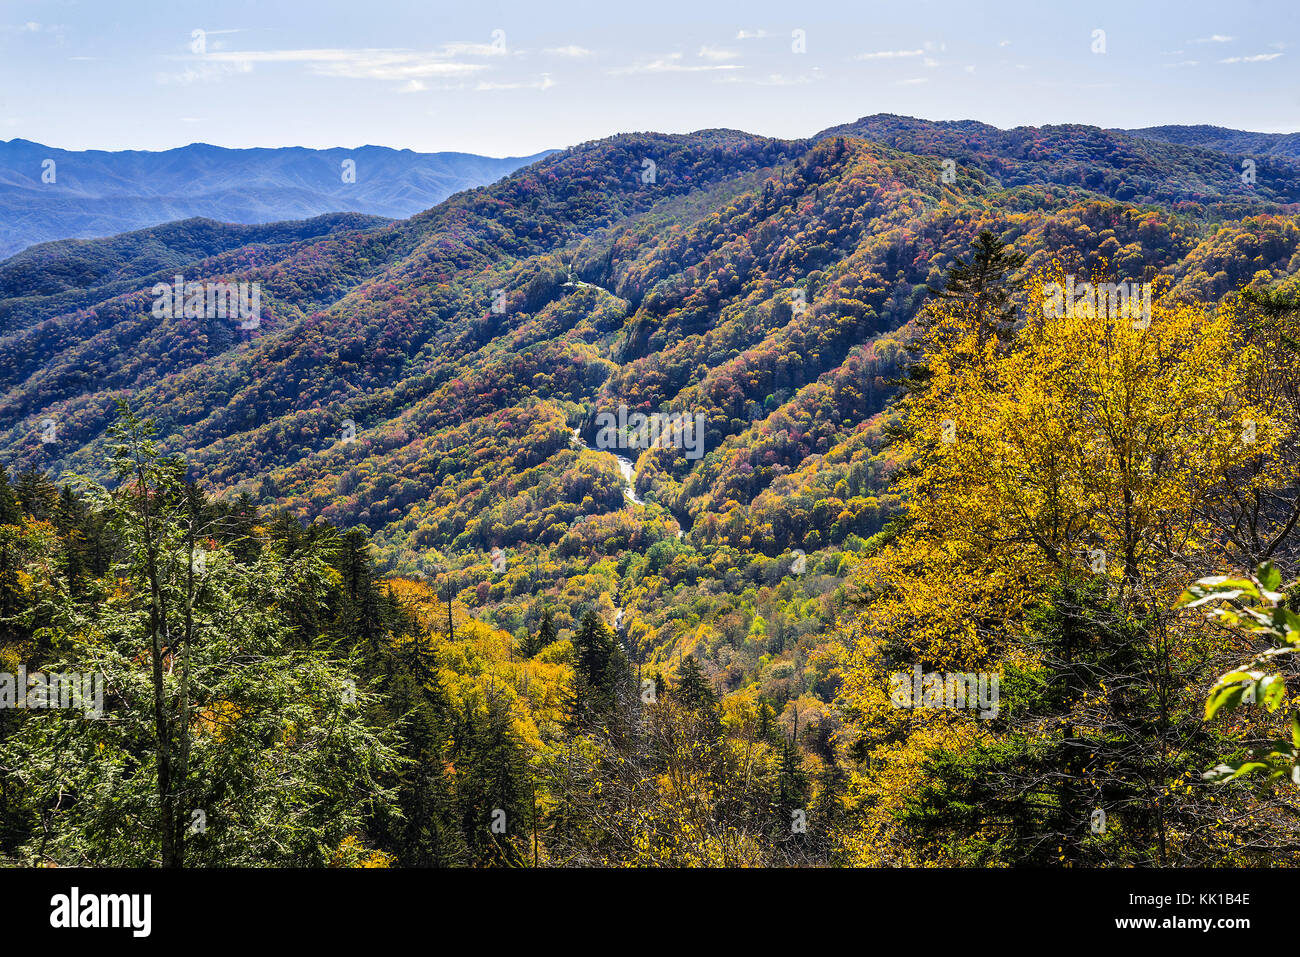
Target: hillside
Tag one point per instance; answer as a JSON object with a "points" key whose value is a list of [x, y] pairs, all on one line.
{"points": [[1237, 142], [1139, 166], [51, 278], [98, 193], [439, 382], [670, 296]]}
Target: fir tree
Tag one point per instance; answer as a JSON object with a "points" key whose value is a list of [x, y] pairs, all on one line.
{"points": [[10, 511], [544, 635], [983, 283]]}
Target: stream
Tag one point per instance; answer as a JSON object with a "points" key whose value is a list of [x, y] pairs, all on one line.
{"points": [[625, 466]]}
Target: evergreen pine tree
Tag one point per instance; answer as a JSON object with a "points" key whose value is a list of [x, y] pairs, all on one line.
{"points": [[10, 511], [984, 282], [544, 635], [36, 494]]}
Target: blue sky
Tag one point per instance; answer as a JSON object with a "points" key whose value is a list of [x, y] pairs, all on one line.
{"points": [[514, 78]]}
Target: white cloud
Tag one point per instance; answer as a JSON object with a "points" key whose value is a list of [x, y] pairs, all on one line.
{"points": [[716, 53], [473, 49], [571, 51], [672, 63], [1213, 38], [890, 54], [771, 79], [751, 34], [543, 83], [30, 26], [365, 64], [912, 82], [204, 71], [1256, 58]]}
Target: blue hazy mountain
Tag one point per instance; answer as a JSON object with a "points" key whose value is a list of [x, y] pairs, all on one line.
{"points": [[99, 193]]}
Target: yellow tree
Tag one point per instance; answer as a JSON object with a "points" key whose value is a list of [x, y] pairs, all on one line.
{"points": [[1085, 455]]}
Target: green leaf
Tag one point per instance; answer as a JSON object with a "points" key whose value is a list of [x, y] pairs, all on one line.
{"points": [[1227, 696], [1224, 773], [1274, 690], [1242, 585], [1269, 576], [1212, 596]]}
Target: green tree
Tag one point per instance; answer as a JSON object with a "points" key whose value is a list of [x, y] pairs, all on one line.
{"points": [[982, 286], [544, 635], [218, 745]]}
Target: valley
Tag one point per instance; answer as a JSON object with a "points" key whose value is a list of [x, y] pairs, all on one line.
{"points": [[423, 394]]}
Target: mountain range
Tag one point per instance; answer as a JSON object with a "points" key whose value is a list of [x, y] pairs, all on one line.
{"points": [[424, 378], [51, 194]]}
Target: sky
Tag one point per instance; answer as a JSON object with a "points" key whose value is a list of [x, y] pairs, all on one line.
{"points": [[511, 79]]}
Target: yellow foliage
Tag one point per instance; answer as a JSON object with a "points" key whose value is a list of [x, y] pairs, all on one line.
{"points": [[1087, 445], [480, 662], [352, 853]]}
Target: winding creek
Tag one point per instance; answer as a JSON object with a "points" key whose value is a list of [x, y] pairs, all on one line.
{"points": [[625, 466]]}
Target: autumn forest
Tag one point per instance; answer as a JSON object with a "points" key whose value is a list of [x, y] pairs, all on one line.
{"points": [[984, 553]]}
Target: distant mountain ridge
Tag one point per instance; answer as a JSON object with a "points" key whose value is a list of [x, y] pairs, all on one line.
{"points": [[98, 193], [1157, 165], [1224, 140]]}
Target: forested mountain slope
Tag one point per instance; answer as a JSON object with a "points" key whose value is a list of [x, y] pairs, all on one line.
{"points": [[766, 285], [1240, 142], [897, 466], [56, 277]]}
